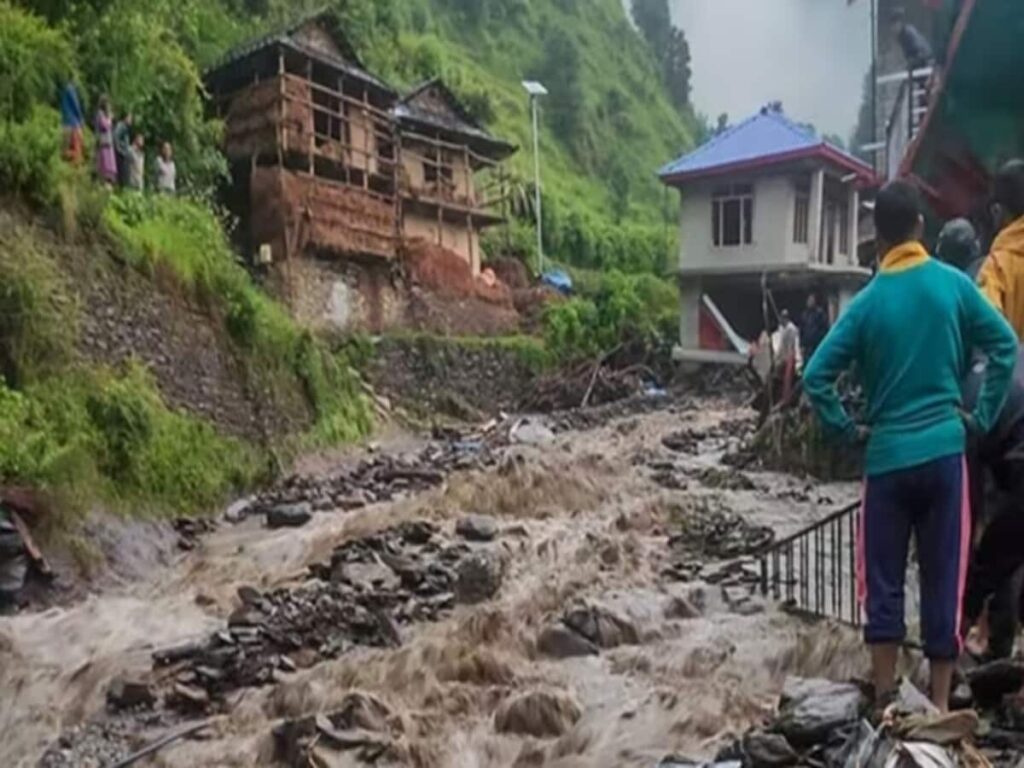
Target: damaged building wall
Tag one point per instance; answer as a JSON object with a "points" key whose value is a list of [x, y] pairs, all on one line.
{"points": [[459, 239], [293, 211]]}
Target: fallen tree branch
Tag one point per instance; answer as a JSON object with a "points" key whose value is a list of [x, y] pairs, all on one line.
{"points": [[160, 743]]}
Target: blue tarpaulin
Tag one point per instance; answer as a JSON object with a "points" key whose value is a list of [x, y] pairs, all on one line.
{"points": [[559, 280]]}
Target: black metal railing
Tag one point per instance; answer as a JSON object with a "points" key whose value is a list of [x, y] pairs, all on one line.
{"points": [[814, 570]]}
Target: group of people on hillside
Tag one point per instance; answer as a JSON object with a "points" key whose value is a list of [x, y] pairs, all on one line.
{"points": [[937, 353], [120, 154]]}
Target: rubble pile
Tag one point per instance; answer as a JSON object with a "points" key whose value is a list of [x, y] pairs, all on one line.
{"points": [[369, 589], [718, 534], [597, 416], [377, 479], [584, 385]]}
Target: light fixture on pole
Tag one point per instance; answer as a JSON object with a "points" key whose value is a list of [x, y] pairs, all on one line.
{"points": [[536, 90]]}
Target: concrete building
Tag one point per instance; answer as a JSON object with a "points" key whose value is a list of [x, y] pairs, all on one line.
{"points": [[769, 214]]}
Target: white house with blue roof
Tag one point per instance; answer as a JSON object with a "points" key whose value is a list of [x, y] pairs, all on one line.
{"points": [[765, 204]]}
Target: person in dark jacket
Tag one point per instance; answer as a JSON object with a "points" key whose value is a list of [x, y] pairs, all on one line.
{"points": [[813, 327], [916, 49], [995, 464]]}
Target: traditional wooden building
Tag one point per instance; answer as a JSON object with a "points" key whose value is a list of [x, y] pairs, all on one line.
{"points": [[313, 154], [331, 171], [445, 154]]}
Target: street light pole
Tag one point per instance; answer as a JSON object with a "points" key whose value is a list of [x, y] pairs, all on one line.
{"points": [[536, 90], [536, 187]]}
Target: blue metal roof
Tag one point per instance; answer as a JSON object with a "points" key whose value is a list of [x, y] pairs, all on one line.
{"points": [[759, 140]]}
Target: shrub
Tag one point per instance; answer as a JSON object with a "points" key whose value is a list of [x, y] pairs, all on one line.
{"points": [[30, 164], [35, 60]]}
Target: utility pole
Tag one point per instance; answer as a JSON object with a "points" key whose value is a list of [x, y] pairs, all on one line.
{"points": [[536, 90], [874, 76]]}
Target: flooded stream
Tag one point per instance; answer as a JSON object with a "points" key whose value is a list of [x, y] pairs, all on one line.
{"points": [[583, 519]]}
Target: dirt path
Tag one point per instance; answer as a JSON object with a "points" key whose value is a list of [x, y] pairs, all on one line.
{"points": [[584, 517]]}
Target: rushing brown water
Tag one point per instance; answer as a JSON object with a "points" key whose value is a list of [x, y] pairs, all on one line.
{"points": [[587, 521]]}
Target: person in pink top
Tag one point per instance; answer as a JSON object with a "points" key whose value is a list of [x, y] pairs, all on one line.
{"points": [[106, 161]]}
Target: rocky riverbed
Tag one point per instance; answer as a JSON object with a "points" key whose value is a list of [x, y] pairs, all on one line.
{"points": [[545, 599]]}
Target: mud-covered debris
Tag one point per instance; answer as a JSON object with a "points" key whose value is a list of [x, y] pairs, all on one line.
{"points": [[560, 642], [190, 530], [719, 535], [379, 478], [188, 698], [104, 741], [811, 709], [768, 750], [363, 725], [990, 682], [541, 714], [289, 515], [477, 528], [125, 693], [684, 441], [479, 577], [727, 479]]}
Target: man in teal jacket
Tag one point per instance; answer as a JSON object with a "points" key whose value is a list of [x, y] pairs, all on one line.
{"points": [[910, 333]]}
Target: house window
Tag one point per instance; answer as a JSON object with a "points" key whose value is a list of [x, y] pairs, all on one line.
{"points": [[802, 217], [732, 215], [844, 230], [432, 172]]}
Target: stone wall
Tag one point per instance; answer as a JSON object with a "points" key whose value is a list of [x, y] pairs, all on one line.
{"points": [[465, 379]]}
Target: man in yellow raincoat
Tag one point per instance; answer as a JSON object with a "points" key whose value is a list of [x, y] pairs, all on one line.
{"points": [[1002, 275]]}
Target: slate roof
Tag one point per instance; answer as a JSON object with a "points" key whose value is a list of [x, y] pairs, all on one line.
{"points": [[767, 138], [458, 120], [350, 63]]}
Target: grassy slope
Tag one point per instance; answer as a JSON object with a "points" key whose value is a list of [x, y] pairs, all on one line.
{"points": [[496, 58]]}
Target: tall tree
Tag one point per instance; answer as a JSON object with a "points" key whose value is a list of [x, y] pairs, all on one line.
{"points": [[677, 69], [653, 19], [669, 45], [562, 74]]}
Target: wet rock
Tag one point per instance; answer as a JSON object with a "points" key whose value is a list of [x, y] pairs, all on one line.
{"points": [[363, 724], [768, 750], [125, 693], [541, 714], [990, 682], [188, 698], [289, 515], [601, 626], [479, 577], [811, 709], [681, 608], [249, 596], [477, 528], [560, 642], [531, 433]]}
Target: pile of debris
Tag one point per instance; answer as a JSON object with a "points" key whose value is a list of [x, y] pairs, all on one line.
{"points": [[377, 479], [717, 534], [369, 589], [600, 415], [584, 385], [822, 723]]}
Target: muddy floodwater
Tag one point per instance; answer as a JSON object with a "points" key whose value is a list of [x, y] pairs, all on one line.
{"points": [[582, 519]]}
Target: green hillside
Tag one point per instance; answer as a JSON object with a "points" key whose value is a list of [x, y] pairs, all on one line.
{"points": [[608, 123]]}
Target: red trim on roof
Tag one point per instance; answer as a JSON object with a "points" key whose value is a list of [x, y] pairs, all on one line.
{"points": [[821, 151], [910, 156]]}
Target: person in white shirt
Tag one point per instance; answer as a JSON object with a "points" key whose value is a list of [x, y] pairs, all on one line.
{"points": [[166, 171]]}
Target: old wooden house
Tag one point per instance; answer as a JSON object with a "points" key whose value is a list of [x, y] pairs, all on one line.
{"points": [[444, 153], [331, 171], [313, 155]]}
